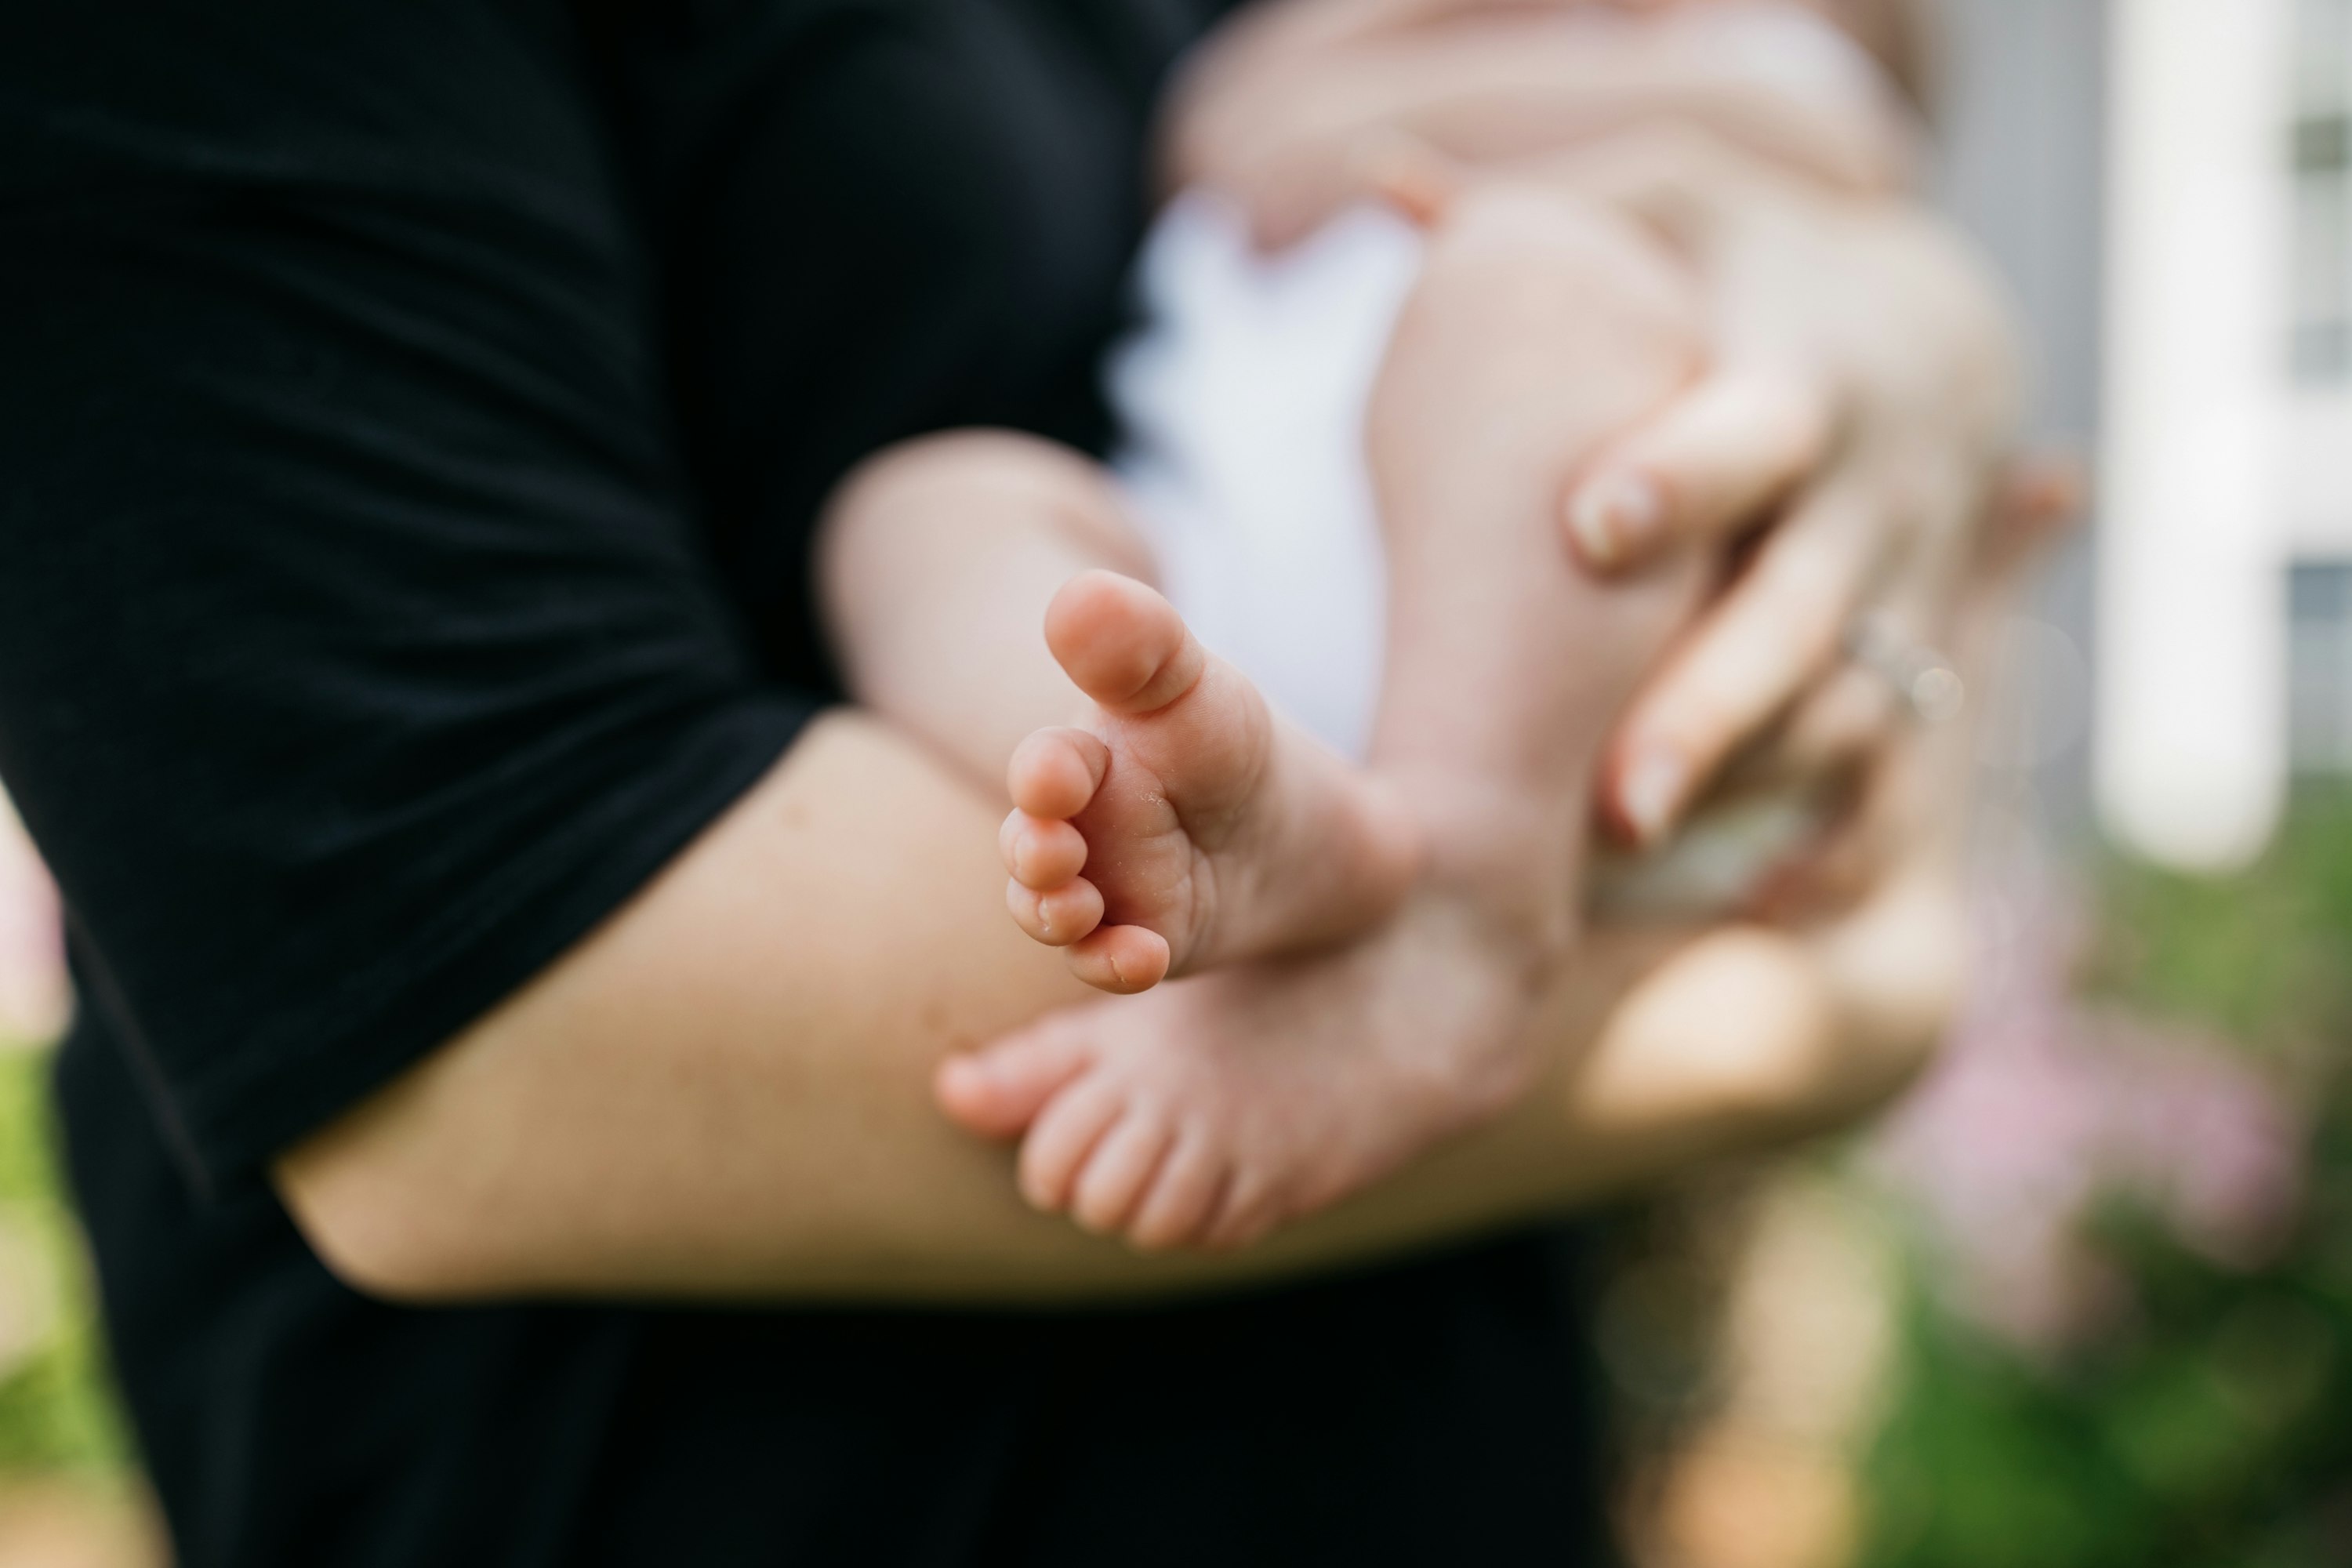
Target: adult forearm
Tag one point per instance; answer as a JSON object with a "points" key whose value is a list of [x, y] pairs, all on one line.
{"points": [[725, 1092]]}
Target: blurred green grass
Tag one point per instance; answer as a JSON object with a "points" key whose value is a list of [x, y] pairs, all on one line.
{"points": [[2210, 1424], [58, 1413], [2260, 956]]}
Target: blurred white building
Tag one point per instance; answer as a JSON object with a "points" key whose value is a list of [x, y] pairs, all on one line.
{"points": [[2224, 574]]}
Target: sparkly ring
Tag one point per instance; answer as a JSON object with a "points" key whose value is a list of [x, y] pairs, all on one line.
{"points": [[1921, 676]]}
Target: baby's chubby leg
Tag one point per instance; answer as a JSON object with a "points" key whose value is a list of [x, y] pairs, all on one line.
{"points": [[1179, 822], [1541, 327]]}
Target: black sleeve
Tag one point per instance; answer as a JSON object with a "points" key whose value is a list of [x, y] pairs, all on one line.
{"points": [[356, 651]]}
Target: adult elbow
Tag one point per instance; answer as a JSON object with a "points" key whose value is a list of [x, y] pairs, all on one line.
{"points": [[380, 1220]]}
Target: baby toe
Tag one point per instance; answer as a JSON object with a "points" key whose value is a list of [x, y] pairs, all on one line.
{"points": [[1055, 772], [1119, 1169], [1122, 643], [1121, 960], [1244, 1213], [1068, 914], [1042, 853], [1175, 1210], [1064, 1134]]}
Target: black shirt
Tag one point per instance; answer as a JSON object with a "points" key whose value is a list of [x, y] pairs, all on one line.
{"points": [[412, 414]]}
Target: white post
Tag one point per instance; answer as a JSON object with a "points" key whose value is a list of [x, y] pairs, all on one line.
{"points": [[2192, 760]]}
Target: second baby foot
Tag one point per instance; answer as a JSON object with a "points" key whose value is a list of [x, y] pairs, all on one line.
{"points": [[1184, 823], [1214, 1109]]}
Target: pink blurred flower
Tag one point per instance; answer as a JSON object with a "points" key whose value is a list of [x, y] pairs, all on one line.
{"points": [[2044, 1107]]}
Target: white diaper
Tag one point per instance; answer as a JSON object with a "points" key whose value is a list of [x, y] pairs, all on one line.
{"points": [[1241, 410]]}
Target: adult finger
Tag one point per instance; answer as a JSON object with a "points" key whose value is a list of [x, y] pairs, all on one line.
{"points": [[1706, 467], [2041, 496], [1837, 871], [1849, 718], [1777, 628], [1891, 818], [1856, 715]]}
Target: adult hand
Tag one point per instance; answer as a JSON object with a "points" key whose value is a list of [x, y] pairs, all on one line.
{"points": [[1863, 353], [1861, 356], [1289, 110], [1908, 788]]}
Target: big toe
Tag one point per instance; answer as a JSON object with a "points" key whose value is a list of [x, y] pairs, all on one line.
{"points": [[1124, 645], [998, 1090]]}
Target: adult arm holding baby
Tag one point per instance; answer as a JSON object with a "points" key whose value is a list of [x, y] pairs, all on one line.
{"points": [[724, 1091], [506, 1103]]}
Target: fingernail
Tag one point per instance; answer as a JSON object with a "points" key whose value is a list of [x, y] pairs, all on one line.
{"points": [[1616, 516], [1652, 788]]}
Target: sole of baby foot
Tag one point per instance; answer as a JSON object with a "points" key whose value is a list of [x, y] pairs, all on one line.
{"points": [[1213, 1111], [1185, 823]]}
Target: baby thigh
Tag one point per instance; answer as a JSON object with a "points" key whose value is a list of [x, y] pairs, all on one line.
{"points": [[1537, 330]]}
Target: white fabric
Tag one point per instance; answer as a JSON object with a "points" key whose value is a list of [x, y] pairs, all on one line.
{"points": [[1241, 404]]}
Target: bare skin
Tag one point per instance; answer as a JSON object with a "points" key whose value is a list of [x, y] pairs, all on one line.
{"points": [[1213, 1109], [1537, 328], [1840, 303], [1286, 106], [1541, 327], [1715, 461], [1185, 823], [723, 1094]]}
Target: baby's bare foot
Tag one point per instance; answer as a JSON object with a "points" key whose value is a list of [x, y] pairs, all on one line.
{"points": [[1186, 824], [1215, 1109]]}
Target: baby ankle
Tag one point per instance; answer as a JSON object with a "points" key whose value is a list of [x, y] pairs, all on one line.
{"points": [[1513, 861]]}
